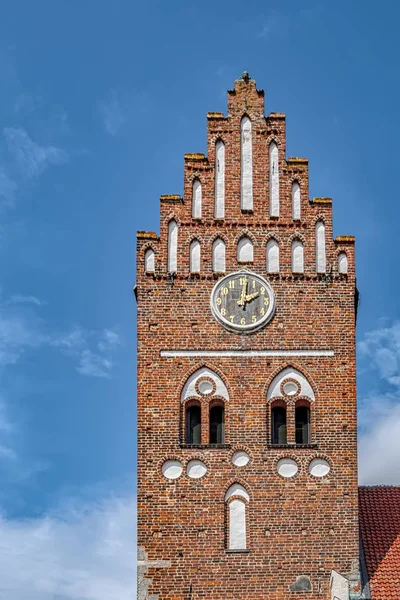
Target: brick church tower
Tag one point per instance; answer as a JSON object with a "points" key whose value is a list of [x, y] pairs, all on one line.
{"points": [[247, 457]]}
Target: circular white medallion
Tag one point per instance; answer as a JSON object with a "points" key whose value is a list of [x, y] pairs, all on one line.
{"points": [[172, 469], [205, 386], [196, 469], [290, 388], [287, 467], [240, 458], [319, 467]]}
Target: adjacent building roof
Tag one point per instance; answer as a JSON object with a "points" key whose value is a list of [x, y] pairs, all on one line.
{"points": [[380, 536]]}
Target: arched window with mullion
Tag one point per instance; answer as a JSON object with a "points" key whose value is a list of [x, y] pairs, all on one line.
{"points": [[278, 425], [217, 424], [303, 427], [193, 424]]}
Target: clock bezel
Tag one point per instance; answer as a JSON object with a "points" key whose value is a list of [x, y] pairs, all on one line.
{"points": [[237, 328]]}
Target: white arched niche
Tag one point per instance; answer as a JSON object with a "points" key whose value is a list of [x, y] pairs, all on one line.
{"points": [[237, 498], [245, 250], [191, 387], [273, 180], [218, 256], [320, 258], [272, 256], [246, 169], [304, 387], [297, 256], [196, 199], [343, 264], [219, 209], [172, 247], [195, 256], [296, 210], [149, 261]]}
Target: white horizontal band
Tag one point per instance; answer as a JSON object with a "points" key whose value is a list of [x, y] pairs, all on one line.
{"points": [[175, 353]]}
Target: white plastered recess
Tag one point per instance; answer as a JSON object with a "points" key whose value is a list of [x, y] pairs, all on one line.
{"points": [[237, 490], [189, 389], [343, 265], [149, 261], [272, 256], [295, 200], [273, 180], [172, 246], [297, 257], [218, 256], [237, 525], [274, 390], [246, 178], [245, 250], [219, 180], [320, 247], [196, 202], [195, 256]]}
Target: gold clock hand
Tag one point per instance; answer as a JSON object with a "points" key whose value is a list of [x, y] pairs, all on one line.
{"points": [[251, 296], [243, 294]]}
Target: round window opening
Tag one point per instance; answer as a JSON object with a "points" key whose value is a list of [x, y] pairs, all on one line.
{"points": [[205, 386], [290, 388]]}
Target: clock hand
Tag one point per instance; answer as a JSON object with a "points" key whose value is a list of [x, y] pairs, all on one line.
{"points": [[251, 296], [242, 300]]}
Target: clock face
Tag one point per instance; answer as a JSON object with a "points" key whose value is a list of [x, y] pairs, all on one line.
{"points": [[243, 301]]}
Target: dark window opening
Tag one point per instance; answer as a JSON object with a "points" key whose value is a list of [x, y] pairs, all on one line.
{"points": [[193, 425], [279, 425], [217, 425], [303, 431]]}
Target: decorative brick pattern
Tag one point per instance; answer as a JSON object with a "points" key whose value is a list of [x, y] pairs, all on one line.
{"points": [[298, 529]]}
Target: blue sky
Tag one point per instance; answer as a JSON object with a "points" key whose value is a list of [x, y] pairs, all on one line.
{"points": [[99, 102]]}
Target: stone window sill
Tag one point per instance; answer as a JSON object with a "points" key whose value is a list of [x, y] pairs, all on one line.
{"points": [[292, 446], [205, 446], [246, 551]]}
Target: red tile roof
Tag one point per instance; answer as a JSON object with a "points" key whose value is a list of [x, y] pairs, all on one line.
{"points": [[380, 535]]}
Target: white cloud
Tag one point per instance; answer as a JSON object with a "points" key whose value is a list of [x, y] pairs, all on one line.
{"points": [[274, 25], [379, 410], [7, 189], [93, 351], [85, 552], [32, 158], [17, 334], [112, 113], [20, 299]]}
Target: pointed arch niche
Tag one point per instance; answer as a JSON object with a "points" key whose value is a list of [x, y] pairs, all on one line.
{"points": [[194, 258], [246, 168], [219, 208], [245, 250], [296, 201], [218, 256], [272, 256], [237, 500], [290, 398], [320, 253], [273, 180], [196, 199], [204, 399], [172, 246]]}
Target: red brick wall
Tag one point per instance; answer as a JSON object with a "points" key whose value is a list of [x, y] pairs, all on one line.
{"points": [[298, 526]]}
